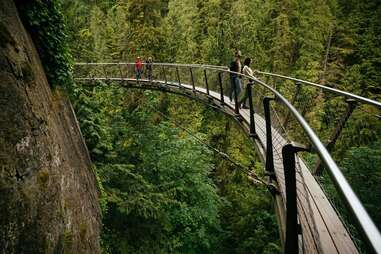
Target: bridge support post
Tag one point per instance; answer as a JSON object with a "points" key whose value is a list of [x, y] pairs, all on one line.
{"points": [[206, 83], [105, 72], [269, 139], [164, 74], [253, 133], [120, 71], [178, 76], [292, 226], [221, 88], [192, 79], [336, 133], [236, 106], [92, 80]]}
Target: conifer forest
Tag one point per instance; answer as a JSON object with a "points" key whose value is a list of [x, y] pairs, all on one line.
{"points": [[149, 171]]}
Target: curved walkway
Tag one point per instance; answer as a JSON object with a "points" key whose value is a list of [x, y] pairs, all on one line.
{"points": [[320, 229]]}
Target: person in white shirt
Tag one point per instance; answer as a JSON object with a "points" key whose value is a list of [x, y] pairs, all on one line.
{"points": [[248, 72]]}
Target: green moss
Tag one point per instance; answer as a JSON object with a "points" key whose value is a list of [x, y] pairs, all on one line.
{"points": [[5, 36], [67, 241], [61, 212], [43, 178], [83, 231], [27, 72], [47, 245], [66, 205]]}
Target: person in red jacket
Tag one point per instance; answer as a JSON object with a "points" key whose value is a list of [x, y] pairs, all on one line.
{"points": [[138, 67]]}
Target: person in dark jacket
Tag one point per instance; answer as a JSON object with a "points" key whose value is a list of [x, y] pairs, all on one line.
{"points": [[149, 68], [235, 83]]}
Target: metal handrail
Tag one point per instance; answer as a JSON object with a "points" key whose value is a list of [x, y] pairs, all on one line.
{"points": [[330, 89], [366, 224], [361, 215], [157, 64], [219, 67]]}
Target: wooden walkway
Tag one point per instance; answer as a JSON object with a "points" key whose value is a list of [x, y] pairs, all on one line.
{"points": [[321, 229]]}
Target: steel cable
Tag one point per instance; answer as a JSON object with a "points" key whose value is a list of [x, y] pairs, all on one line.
{"points": [[222, 154]]}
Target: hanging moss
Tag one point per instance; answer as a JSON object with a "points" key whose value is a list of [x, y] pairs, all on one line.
{"points": [[45, 21]]}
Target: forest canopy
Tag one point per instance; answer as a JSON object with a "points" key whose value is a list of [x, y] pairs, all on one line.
{"points": [[163, 192]]}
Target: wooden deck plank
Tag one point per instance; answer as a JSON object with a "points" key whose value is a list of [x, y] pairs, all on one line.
{"points": [[342, 239], [308, 241]]}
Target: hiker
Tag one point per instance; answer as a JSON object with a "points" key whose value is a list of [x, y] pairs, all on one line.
{"points": [[138, 67], [248, 72], [149, 68], [235, 83]]}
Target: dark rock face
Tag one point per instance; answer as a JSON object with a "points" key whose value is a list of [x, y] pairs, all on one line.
{"points": [[48, 193]]}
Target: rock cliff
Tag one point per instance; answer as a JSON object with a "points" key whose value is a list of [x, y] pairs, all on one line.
{"points": [[48, 193]]}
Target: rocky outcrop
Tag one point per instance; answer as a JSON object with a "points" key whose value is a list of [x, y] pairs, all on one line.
{"points": [[48, 193]]}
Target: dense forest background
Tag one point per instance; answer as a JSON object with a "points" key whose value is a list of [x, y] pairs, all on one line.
{"points": [[164, 192]]}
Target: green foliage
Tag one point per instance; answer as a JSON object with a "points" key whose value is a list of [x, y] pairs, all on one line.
{"points": [[247, 219], [332, 42], [247, 222], [361, 50], [103, 195], [45, 21], [120, 32], [158, 192], [361, 167]]}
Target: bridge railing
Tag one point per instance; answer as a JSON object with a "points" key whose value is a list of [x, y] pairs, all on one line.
{"points": [[284, 120], [340, 119]]}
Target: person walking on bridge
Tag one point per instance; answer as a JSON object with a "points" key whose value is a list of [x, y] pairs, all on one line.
{"points": [[149, 68], [248, 72], [138, 67], [235, 84]]}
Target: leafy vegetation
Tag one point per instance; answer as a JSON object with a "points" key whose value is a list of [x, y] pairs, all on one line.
{"points": [[45, 21], [158, 182], [162, 191], [361, 167]]}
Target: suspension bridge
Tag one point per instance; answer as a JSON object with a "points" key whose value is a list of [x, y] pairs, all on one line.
{"points": [[277, 116]]}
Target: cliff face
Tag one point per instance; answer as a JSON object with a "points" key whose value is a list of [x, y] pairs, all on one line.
{"points": [[48, 193]]}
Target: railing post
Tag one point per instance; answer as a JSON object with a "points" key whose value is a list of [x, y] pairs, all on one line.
{"points": [[105, 72], [253, 133], [178, 76], [269, 140], [292, 226], [192, 79], [206, 82], [164, 74], [221, 88], [90, 73], [336, 132], [120, 71], [236, 106], [298, 90]]}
